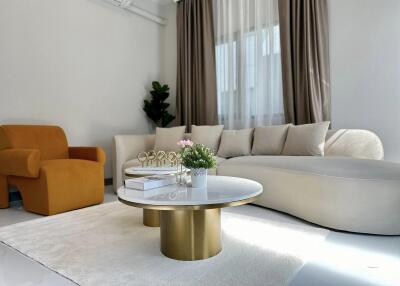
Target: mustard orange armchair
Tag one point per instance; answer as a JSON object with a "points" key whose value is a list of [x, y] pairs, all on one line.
{"points": [[51, 177]]}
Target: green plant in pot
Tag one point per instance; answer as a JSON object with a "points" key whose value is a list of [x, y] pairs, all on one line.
{"points": [[156, 107], [198, 158]]}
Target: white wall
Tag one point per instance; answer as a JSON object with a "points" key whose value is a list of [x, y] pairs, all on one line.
{"points": [[81, 64], [365, 65], [169, 53]]}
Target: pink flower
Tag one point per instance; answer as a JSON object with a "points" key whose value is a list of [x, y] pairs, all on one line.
{"points": [[185, 143]]}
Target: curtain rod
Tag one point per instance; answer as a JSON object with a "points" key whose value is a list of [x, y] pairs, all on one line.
{"points": [[126, 4]]}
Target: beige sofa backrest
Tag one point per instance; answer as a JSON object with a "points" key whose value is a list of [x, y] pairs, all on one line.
{"points": [[355, 143], [344, 142]]}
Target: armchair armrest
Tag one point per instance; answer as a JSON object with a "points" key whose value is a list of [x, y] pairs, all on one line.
{"points": [[87, 153], [20, 162]]}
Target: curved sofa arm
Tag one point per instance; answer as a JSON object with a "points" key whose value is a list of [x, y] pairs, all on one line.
{"points": [[355, 143], [127, 147], [20, 162], [87, 153]]}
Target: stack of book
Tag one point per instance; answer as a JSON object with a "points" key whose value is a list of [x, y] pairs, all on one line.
{"points": [[150, 182]]}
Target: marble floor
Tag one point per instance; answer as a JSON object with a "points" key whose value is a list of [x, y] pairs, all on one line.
{"points": [[345, 259], [353, 260], [16, 213]]}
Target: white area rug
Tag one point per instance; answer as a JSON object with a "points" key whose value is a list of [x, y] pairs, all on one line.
{"points": [[108, 245]]}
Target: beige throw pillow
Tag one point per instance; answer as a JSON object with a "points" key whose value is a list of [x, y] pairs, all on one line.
{"points": [[209, 136], [167, 138], [235, 143], [269, 140], [306, 140]]}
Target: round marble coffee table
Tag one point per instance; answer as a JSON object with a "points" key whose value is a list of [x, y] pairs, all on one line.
{"points": [[190, 218]]}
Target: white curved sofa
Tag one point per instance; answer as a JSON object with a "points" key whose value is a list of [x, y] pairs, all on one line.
{"points": [[349, 189]]}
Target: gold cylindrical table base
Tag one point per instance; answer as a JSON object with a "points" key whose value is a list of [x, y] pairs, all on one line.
{"points": [[190, 234], [151, 217]]}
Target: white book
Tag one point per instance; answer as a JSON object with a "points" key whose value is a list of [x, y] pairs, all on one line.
{"points": [[152, 168], [150, 182]]}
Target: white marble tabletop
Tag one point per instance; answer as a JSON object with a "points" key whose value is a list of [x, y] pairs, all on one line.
{"points": [[221, 191]]}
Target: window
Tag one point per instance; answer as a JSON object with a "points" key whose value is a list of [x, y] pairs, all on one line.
{"points": [[248, 66]]}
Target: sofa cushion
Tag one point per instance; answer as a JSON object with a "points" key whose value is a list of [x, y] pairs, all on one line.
{"points": [[358, 195], [354, 143], [235, 143], [209, 136], [324, 166], [167, 138], [306, 140], [269, 140]]}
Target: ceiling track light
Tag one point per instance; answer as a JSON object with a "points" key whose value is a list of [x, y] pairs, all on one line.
{"points": [[127, 5]]}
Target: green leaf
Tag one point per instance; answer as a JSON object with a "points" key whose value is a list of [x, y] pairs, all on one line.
{"points": [[156, 85]]}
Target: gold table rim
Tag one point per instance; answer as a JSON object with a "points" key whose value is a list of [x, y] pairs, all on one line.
{"points": [[190, 207]]}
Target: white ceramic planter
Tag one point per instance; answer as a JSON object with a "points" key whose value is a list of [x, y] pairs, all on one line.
{"points": [[199, 178]]}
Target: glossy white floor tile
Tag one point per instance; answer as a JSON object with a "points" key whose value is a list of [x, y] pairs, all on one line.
{"points": [[14, 215], [353, 259], [18, 270]]}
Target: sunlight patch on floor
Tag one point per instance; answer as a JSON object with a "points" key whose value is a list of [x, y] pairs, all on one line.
{"points": [[282, 238], [362, 264]]}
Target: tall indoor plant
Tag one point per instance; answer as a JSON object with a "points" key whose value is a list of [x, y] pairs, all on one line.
{"points": [[198, 158], [156, 107]]}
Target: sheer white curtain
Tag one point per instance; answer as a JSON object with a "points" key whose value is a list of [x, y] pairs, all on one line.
{"points": [[248, 61]]}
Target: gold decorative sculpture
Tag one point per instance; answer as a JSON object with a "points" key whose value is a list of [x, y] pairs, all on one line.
{"points": [[143, 158], [159, 158], [152, 156]]}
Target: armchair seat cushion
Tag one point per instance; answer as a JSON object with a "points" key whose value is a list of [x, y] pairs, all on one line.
{"points": [[71, 169]]}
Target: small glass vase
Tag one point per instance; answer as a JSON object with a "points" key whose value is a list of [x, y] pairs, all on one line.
{"points": [[181, 174], [199, 178]]}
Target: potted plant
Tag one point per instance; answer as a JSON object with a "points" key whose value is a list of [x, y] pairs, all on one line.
{"points": [[198, 158], [156, 107]]}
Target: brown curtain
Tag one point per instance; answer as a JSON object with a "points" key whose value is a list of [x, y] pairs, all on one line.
{"points": [[305, 60], [196, 98]]}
